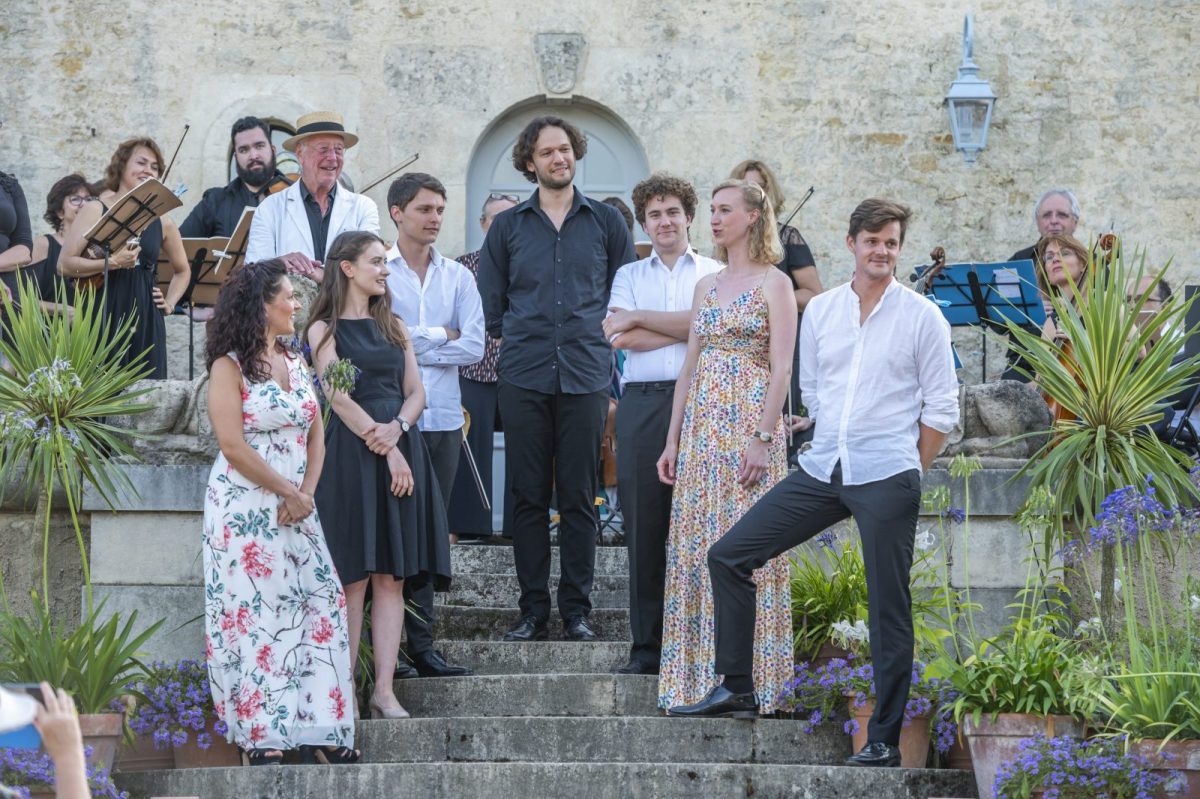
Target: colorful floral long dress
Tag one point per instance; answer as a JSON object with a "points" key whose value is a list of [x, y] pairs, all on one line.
{"points": [[277, 647], [723, 409]]}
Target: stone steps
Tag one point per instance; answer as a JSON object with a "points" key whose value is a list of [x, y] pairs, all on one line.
{"points": [[612, 739], [530, 695], [498, 559], [502, 591], [537, 657], [456, 623], [685, 780]]}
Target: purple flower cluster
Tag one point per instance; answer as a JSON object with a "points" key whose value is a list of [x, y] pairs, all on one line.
{"points": [[31, 768], [1069, 768], [823, 692], [827, 538], [1125, 515], [177, 699], [954, 515]]}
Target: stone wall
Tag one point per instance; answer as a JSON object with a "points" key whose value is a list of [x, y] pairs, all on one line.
{"points": [[1100, 96]]}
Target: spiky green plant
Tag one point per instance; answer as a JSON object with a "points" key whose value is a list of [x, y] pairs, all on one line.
{"points": [[63, 380]]}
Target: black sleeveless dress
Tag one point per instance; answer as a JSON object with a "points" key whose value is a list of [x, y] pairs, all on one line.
{"points": [[131, 292], [368, 529]]}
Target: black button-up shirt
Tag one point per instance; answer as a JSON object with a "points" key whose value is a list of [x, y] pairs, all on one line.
{"points": [[545, 292], [318, 223], [220, 208]]}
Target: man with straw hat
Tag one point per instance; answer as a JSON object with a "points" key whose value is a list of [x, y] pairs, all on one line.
{"points": [[298, 223]]}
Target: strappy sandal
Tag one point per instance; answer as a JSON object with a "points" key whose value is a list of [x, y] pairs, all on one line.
{"points": [[262, 757], [330, 755]]}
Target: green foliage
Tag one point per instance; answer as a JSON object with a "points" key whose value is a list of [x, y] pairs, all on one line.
{"points": [[1114, 382], [93, 662], [64, 380]]}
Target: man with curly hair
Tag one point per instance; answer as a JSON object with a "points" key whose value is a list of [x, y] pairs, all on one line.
{"points": [[544, 274], [650, 312]]}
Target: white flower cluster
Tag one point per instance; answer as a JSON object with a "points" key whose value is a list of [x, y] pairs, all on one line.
{"points": [[54, 380], [1195, 603], [848, 633], [925, 540], [1088, 627]]}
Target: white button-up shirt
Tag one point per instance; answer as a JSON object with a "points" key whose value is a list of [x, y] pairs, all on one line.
{"points": [[447, 298], [868, 386], [651, 285]]}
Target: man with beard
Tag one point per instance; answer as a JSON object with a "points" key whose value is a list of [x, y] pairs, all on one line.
{"points": [[220, 208], [545, 273]]}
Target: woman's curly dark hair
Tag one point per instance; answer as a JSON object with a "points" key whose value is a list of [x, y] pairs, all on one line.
{"points": [[59, 192], [120, 158], [239, 321], [522, 151]]}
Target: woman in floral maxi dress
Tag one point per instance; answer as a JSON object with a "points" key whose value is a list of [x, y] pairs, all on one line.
{"points": [[276, 640], [726, 447]]}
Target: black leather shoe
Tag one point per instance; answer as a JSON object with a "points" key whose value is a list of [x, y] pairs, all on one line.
{"points": [[577, 629], [720, 703], [878, 754], [527, 628], [637, 667], [432, 664], [404, 669]]}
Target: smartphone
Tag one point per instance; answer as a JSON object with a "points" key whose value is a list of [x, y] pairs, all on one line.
{"points": [[26, 737]]}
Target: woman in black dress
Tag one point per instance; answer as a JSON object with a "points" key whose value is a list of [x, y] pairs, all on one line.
{"points": [[63, 202], [16, 240], [132, 277], [378, 500]]}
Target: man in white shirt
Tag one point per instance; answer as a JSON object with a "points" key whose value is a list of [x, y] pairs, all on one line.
{"points": [[438, 301], [877, 373], [649, 316]]}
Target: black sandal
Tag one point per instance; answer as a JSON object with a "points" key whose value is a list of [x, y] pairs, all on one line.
{"points": [[330, 755], [262, 757]]}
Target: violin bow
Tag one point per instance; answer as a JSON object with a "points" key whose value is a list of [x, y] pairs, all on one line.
{"points": [[411, 159], [800, 205], [186, 128]]}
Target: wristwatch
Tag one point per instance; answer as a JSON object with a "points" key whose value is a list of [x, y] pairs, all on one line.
{"points": [[763, 437], [404, 425]]}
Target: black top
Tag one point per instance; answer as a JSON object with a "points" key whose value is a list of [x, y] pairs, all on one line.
{"points": [[796, 254], [318, 225], [14, 215], [545, 292], [45, 274], [1027, 254], [219, 209]]}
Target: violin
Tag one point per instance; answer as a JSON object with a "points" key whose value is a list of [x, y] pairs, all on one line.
{"points": [[938, 256], [280, 183]]}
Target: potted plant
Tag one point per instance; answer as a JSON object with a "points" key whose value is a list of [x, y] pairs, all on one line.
{"points": [[1069, 768], [33, 771], [177, 712]]}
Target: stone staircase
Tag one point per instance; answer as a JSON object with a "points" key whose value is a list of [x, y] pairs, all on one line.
{"points": [[549, 719]]}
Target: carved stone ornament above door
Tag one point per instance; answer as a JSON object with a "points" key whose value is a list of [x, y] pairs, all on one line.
{"points": [[560, 57]]}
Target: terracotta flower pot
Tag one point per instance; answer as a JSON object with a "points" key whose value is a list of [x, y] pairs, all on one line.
{"points": [[144, 756], [220, 754], [995, 742], [959, 756], [826, 653], [102, 732], [914, 738], [1182, 756]]}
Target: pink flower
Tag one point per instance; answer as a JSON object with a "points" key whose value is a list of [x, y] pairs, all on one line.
{"points": [[248, 701], [226, 534], [322, 630], [208, 650], [257, 733], [255, 561], [228, 621], [339, 702], [244, 617], [264, 658], [341, 600]]}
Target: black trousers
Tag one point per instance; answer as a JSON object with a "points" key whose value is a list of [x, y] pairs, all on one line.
{"points": [[792, 512], [468, 516], [643, 417], [552, 444], [443, 450]]}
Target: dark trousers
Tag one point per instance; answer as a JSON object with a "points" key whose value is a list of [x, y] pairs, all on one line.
{"points": [[552, 444], [643, 417], [443, 452], [468, 516], [792, 512]]}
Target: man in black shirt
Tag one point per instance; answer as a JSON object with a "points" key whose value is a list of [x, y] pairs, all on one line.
{"points": [[545, 272], [221, 206]]}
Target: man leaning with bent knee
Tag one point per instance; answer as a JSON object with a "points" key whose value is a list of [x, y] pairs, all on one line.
{"points": [[877, 372]]}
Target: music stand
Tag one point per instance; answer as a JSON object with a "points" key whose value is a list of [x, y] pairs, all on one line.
{"points": [[202, 287], [988, 295], [1191, 348], [234, 254], [129, 216]]}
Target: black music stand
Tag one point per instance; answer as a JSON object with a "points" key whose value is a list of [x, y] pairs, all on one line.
{"points": [[988, 295], [129, 216], [202, 258], [1191, 348], [234, 254]]}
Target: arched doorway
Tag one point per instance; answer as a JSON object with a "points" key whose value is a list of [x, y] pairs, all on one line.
{"points": [[614, 163]]}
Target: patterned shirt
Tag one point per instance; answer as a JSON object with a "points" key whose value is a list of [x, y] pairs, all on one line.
{"points": [[485, 370]]}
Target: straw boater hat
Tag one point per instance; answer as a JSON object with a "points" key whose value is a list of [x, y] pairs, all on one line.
{"points": [[320, 123], [16, 710]]}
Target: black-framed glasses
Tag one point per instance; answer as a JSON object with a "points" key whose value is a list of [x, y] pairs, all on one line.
{"points": [[78, 200], [512, 198]]}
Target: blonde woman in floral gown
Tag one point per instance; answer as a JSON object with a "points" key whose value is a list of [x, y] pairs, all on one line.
{"points": [[276, 639], [726, 446]]}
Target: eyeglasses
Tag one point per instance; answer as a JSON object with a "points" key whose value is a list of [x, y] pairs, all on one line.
{"points": [[512, 198], [78, 200], [325, 150]]}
